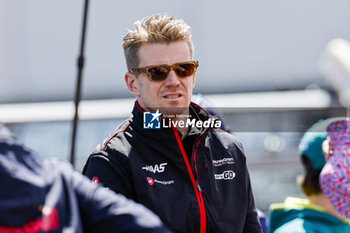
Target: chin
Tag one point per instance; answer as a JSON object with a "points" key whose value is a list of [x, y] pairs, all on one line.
{"points": [[174, 109]]}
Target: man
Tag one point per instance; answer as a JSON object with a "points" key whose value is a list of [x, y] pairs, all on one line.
{"points": [[50, 196], [185, 169], [314, 214]]}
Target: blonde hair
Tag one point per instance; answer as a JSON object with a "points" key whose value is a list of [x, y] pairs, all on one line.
{"points": [[158, 28]]}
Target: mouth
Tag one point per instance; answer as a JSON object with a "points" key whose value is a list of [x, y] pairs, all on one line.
{"points": [[172, 96]]}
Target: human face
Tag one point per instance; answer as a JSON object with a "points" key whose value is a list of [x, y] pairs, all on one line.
{"points": [[173, 95]]}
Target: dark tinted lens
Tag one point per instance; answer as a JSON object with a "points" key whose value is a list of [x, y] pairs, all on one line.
{"points": [[158, 73], [184, 69]]}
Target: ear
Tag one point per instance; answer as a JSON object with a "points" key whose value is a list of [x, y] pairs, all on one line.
{"points": [[300, 180], [327, 148], [131, 82]]}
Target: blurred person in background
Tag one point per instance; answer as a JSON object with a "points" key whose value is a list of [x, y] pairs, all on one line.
{"points": [[335, 175], [316, 213], [49, 196], [195, 178]]}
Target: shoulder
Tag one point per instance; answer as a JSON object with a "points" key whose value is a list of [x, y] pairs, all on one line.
{"points": [[117, 137], [303, 216], [228, 140], [294, 225], [284, 218], [106, 162], [116, 146], [113, 151]]}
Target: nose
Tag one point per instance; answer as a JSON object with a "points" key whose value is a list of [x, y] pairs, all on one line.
{"points": [[172, 79]]}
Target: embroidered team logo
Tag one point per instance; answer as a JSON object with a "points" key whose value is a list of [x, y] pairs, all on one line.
{"points": [[150, 181], [151, 120], [157, 168]]}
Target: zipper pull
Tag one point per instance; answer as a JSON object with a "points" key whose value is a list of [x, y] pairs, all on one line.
{"points": [[199, 187]]}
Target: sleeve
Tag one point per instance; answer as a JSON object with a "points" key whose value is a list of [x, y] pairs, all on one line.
{"points": [[263, 221], [114, 175], [252, 223], [105, 211], [335, 181]]}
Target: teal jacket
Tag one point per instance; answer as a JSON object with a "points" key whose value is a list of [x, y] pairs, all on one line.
{"points": [[297, 215]]}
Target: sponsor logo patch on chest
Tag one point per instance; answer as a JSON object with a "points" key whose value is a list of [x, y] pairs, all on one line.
{"points": [[226, 175], [224, 161], [151, 181], [157, 168]]}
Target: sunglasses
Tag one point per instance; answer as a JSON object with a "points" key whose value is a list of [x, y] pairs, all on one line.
{"points": [[160, 72]]}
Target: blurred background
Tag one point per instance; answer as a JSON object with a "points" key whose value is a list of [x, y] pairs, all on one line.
{"points": [[272, 68]]}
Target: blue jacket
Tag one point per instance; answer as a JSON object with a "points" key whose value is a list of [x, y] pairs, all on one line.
{"points": [[50, 196]]}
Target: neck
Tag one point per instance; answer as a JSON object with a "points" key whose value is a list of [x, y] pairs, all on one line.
{"points": [[322, 201]]}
